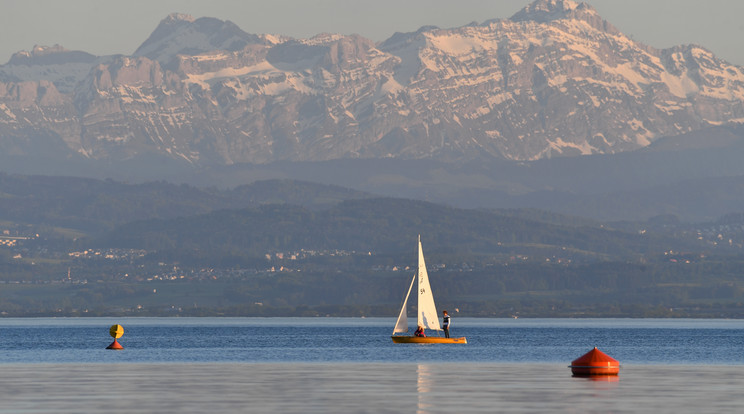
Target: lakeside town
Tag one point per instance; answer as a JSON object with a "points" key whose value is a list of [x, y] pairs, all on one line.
{"points": [[29, 246]]}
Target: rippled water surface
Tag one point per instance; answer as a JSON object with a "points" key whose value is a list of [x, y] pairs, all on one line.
{"points": [[640, 341], [365, 388], [346, 365]]}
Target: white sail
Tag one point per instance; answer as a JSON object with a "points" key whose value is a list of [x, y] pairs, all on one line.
{"points": [[427, 311], [401, 326]]}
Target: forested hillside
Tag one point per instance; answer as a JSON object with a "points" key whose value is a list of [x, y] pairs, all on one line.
{"points": [[387, 226], [94, 206], [89, 247]]}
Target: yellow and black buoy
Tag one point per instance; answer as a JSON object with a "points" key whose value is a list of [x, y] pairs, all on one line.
{"points": [[116, 332]]}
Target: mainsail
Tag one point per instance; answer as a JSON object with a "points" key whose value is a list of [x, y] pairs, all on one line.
{"points": [[427, 311]]}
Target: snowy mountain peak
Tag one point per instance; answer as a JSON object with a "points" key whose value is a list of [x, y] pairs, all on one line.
{"points": [[553, 5], [46, 55], [46, 50], [544, 11], [547, 11], [176, 17], [37, 51], [181, 34]]}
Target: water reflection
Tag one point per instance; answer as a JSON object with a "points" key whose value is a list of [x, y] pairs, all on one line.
{"points": [[600, 378], [309, 388], [423, 388]]}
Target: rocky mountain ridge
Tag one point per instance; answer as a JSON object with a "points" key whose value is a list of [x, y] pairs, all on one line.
{"points": [[554, 80]]}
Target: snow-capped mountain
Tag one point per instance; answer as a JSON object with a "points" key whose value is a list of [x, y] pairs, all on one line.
{"points": [[553, 80], [181, 34]]}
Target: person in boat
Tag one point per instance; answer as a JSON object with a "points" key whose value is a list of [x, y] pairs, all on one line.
{"points": [[419, 332], [445, 323]]}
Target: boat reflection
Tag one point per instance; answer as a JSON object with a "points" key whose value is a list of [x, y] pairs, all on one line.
{"points": [[423, 389]]}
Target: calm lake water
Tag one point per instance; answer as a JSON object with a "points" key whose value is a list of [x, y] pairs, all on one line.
{"points": [[349, 365]]}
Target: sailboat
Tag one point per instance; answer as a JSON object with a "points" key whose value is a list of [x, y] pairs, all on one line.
{"points": [[426, 313]]}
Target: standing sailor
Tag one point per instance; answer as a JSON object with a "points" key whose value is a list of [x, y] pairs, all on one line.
{"points": [[445, 323]]}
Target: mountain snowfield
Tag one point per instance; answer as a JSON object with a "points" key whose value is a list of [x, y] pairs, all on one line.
{"points": [[553, 80]]}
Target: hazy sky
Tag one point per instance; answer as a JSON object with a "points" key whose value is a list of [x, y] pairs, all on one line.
{"points": [[104, 27]]}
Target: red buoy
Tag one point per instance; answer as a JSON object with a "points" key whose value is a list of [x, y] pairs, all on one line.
{"points": [[594, 362], [115, 345]]}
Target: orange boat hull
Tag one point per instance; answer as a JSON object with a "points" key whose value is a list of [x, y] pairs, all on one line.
{"points": [[428, 340]]}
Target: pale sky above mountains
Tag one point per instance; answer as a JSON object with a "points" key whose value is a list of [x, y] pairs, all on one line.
{"points": [[104, 27]]}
